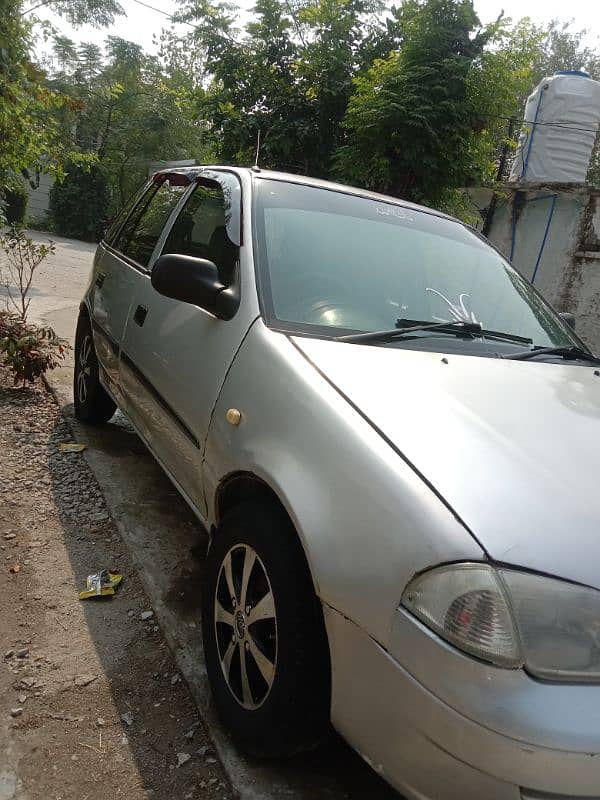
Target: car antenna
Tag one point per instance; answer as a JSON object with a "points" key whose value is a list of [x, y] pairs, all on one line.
{"points": [[256, 168]]}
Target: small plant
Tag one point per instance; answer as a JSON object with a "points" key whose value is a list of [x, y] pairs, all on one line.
{"points": [[29, 350], [22, 258]]}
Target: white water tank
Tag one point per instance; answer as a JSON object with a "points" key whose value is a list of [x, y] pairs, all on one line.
{"points": [[558, 135]]}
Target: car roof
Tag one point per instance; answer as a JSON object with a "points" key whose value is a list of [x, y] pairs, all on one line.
{"points": [[304, 180]]}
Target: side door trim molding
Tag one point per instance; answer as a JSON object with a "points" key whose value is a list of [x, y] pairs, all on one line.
{"points": [[147, 384], [151, 389], [114, 345]]}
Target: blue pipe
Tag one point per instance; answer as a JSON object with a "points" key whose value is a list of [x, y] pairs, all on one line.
{"points": [[543, 244], [514, 219]]}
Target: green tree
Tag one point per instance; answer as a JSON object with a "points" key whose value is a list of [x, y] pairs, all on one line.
{"points": [[252, 83], [100, 13], [65, 53], [127, 108], [560, 47], [497, 86], [288, 74], [409, 123], [31, 134], [28, 135], [89, 56], [79, 205], [146, 114], [329, 60]]}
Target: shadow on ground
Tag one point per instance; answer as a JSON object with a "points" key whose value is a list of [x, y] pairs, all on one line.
{"points": [[158, 538]]}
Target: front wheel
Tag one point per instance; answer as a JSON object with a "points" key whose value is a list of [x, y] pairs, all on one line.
{"points": [[264, 638], [92, 403]]}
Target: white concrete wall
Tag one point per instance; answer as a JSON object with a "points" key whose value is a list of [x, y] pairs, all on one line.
{"points": [[568, 272], [37, 205]]}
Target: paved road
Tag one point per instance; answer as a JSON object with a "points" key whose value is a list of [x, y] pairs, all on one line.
{"points": [[59, 285], [167, 545]]}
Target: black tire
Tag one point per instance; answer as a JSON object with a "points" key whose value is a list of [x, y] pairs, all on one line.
{"points": [[293, 716], [92, 403]]}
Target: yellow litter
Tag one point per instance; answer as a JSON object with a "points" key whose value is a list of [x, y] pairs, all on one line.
{"points": [[100, 584], [71, 447]]}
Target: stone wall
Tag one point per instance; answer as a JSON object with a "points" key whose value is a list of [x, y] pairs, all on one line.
{"points": [[552, 235]]}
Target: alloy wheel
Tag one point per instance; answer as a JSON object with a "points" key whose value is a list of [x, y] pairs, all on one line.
{"points": [[84, 368], [246, 626]]}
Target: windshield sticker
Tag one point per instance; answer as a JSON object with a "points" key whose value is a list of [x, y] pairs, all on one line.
{"points": [[394, 211], [460, 312]]}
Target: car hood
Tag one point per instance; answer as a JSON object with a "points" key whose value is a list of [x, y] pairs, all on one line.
{"points": [[512, 446]]}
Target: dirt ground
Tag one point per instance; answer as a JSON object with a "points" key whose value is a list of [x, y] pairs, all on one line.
{"points": [[58, 511], [91, 702]]}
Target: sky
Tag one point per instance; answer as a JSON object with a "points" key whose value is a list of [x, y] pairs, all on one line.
{"points": [[142, 22]]}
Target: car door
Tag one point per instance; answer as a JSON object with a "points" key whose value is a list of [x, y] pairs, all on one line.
{"points": [[124, 262], [112, 288], [175, 362]]}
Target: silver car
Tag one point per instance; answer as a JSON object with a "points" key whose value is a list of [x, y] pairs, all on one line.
{"points": [[394, 443]]}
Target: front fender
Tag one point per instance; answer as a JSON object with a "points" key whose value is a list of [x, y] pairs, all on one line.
{"points": [[366, 520]]}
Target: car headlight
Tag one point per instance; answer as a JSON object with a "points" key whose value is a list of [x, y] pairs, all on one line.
{"points": [[512, 619]]}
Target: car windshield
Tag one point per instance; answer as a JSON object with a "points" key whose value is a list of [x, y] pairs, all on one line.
{"points": [[332, 263]]}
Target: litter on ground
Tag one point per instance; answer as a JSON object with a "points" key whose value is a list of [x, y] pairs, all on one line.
{"points": [[71, 447], [100, 584]]}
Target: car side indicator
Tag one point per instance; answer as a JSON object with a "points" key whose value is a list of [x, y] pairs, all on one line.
{"points": [[233, 416]]}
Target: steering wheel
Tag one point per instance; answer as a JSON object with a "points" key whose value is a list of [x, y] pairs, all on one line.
{"points": [[339, 315], [314, 289], [324, 300]]}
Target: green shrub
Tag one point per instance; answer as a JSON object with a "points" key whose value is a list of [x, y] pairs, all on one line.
{"points": [[79, 205], [40, 223], [15, 204], [29, 350]]}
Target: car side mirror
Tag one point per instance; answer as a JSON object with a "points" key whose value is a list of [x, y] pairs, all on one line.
{"points": [[568, 318], [195, 281]]}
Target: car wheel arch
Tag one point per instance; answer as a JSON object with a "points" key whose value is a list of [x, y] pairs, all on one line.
{"points": [[243, 486]]}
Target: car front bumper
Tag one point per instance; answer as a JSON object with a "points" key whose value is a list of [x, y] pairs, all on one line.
{"points": [[500, 736]]}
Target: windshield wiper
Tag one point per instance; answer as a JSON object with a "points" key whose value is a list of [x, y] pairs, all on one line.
{"points": [[575, 353], [404, 326], [458, 328]]}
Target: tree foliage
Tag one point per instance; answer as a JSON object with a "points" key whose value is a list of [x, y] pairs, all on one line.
{"points": [[126, 108], [28, 130], [80, 204], [31, 136], [99, 13], [288, 75], [414, 100], [410, 122]]}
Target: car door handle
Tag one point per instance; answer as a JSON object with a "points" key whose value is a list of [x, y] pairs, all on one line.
{"points": [[140, 315], [100, 279]]}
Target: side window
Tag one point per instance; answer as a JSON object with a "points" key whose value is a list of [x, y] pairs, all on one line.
{"points": [[139, 234], [118, 220], [201, 229]]}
